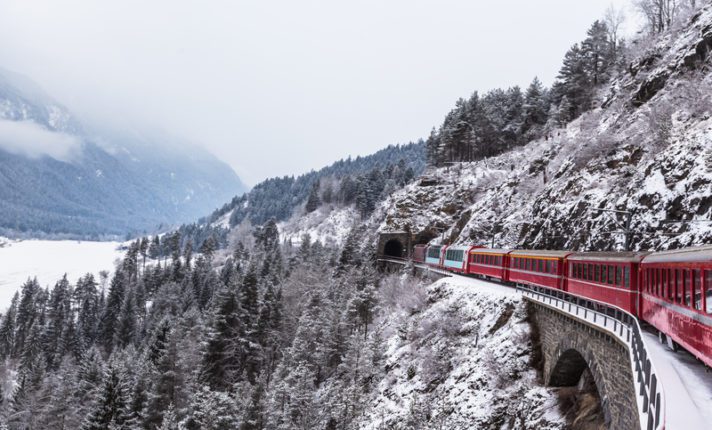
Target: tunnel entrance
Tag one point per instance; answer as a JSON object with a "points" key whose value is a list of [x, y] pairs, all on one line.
{"points": [[394, 248]]}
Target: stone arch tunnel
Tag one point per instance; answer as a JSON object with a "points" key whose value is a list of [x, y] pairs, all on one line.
{"points": [[394, 248]]}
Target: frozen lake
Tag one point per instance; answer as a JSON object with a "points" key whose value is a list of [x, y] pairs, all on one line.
{"points": [[49, 260]]}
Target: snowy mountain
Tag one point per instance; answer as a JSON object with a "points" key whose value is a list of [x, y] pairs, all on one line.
{"points": [[644, 148], [59, 176]]}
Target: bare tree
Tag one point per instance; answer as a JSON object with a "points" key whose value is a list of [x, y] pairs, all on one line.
{"points": [[614, 18], [660, 14]]}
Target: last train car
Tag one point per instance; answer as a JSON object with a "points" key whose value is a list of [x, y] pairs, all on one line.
{"points": [[491, 263], [610, 277], [539, 268], [419, 252], [676, 298]]}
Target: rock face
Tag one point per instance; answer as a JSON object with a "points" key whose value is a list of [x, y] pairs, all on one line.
{"points": [[646, 150]]}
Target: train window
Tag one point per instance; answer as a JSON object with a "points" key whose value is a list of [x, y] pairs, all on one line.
{"points": [[678, 285], [697, 289], [626, 277], [611, 274], [708, 291], [539, 266], [604, 272], [548, 266], [619, 275], [555, 266], [596, 273], [687, 286], [670, 284]]}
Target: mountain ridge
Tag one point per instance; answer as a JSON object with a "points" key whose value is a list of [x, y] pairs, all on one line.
{"points": [[105, 183]]}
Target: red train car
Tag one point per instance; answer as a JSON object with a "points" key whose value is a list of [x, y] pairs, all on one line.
{"points": [[676, 297], [541, 268], [419, 253], [492, 263], [610, 277]]}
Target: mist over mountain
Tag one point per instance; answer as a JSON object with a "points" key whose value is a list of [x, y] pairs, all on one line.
{"points": [[60, 176]]}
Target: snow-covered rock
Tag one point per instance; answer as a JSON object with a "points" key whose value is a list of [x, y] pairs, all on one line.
{"points": [[647, 149], [461, 362]]}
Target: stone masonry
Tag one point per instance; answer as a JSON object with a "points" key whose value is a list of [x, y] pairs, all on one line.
{"points": [[570, 345]]}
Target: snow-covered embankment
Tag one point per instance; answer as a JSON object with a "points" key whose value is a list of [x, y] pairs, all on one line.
{"points": [[461, 361]]}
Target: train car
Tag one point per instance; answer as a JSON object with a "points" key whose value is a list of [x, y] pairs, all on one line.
{"points": [[455, 258], [676, 298], [610, 277], [540, 268], [419, 252], [434, 255], [492, 263]]}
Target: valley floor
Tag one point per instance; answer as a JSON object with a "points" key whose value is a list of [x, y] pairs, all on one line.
{"points": [[49, 260]]}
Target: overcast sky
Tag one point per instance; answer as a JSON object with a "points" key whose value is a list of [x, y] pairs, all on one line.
{"points": [[281, 87]]}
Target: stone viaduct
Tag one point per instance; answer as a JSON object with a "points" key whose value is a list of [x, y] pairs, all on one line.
{"points": [[571, 346]]}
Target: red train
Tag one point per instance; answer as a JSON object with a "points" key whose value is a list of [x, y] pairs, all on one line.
{"points": [[670, 290]]}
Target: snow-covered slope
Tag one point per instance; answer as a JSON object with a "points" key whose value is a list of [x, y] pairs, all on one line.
{"points": [[462, 362], [328, 224], [647, 149]]}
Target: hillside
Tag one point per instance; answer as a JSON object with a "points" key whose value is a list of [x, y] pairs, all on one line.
{"points": [[644, 148], [60, 177]]}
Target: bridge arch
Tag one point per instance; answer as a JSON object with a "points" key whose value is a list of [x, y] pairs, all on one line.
{"points": [[394, 248], [573, 361]]}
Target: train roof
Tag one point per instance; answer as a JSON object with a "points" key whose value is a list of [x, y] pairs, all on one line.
{"points": [[626, 257], [539, 253], [463, 247], [695, 254], [490, 251]]}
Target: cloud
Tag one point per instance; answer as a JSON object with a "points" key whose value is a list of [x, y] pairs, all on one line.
{"points": [[32, 140]]}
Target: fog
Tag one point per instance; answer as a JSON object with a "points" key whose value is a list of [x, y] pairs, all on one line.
{"points": [[281, 87], [29, 139]]}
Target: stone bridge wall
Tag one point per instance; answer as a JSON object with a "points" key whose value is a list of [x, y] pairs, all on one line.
{"points": [[569, 345]]}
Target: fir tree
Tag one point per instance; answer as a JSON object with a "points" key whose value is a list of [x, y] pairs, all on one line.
{"points": [[110, 407]]}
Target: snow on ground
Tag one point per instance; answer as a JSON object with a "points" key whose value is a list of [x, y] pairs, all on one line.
{"points": [[328, 224], [461, 362], [49, 260], [686, 384]]}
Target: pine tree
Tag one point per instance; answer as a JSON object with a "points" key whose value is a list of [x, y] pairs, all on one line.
{"points": [[125, 332], [87, 300], [535, 108], [112, 310], [59, 315], [7, 328], [154, 250], [313, 201], [170, 421], [222, 346], [26, 313], [110, 407]]}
